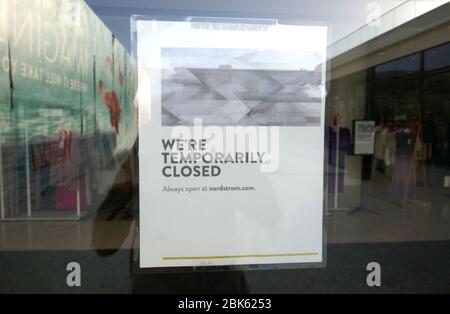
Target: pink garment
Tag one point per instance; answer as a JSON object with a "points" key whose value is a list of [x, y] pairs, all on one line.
{"points": [[63, 173], [66, 196], [62, 165]]}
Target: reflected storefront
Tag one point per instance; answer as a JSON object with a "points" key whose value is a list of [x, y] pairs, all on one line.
{"points": [[403, 182], [69, 166]]}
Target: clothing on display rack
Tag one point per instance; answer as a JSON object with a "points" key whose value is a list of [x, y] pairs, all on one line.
{"points": [[380, 140], [383, 160], [67, 197], [344, 149], [42, 191], [405, 142], [390, 146], [10, 181], [404, 168], [57, 179], [379, 149], [39, 155], [40, 176], [22, 177], [67, 173], [62, 161], [385, 147]]}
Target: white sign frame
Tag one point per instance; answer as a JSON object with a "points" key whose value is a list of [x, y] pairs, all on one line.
{"points": [[230, 261]]}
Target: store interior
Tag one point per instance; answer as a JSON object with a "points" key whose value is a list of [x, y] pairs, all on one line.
{"points": [[398, 192], [69, 172]]}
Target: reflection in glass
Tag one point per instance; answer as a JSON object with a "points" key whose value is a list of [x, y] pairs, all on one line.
{"points": [[438, 57]]}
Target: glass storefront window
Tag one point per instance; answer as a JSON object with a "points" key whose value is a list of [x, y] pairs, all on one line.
{"points": [[385, 71], [407, 65], [72, 105], [437, 58], [437, 118], [401, 67]]}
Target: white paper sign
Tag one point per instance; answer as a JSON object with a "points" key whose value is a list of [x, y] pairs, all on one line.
{"points": [[364, 133], [231, 143]]}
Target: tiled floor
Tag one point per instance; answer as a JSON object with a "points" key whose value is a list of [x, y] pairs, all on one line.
{"points": [[378, 221], [85, 235]]}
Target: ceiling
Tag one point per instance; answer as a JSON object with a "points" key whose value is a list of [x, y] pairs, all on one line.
{"points": [[342, 17]]}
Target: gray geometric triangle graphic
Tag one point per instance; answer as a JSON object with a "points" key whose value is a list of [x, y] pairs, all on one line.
{"points": [[225, 96]]}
